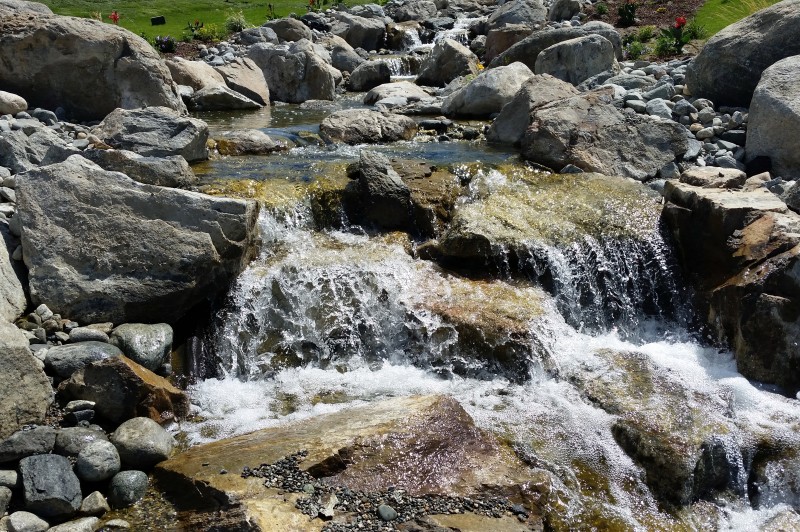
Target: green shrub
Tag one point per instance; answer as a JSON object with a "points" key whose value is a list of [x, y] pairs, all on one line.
{"points": [[627, 13], [235, 22], [664, 46], [635, 50], [646, 33], [207, 33], [695, 30], [601, 9]]}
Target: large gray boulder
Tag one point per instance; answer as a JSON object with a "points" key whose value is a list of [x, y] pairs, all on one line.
{"points": [[357, 126], [773, 127], [528, 12], [576, 60], [295, 73], [244, 77], [20, 151], [11, 104], [26, 391], [501, 39], [403, 10], [95, 68], [384, 199], [369, 75], [343, 56], [487, 93], [528, 49], [101, 247], [289, 29], [12, 295], [170, 171], [155, 132], [195, 74], [514, 119], [359, 32], [447, 61], [563, 10], [220, 98], [8, 7], [730, 64], [64, 360], [50, 488], [588, 131], [148, 345]]}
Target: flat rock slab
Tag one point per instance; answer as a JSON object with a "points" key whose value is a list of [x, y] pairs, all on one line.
{"points": [[397, 442]]}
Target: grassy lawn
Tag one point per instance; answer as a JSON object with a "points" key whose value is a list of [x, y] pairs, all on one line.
{"points": [[716, 14], [135, 15]]}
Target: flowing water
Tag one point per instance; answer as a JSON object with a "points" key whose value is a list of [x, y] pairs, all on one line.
{"points": [[331, 316]]}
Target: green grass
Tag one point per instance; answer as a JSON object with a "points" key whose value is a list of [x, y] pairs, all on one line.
{"points": [[135, 15], [717, 14]]}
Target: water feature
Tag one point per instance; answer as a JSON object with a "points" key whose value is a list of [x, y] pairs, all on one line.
{"points": [[584, 334]]}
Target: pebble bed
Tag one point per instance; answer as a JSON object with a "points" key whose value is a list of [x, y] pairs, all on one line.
{"points": [[369, 511]]}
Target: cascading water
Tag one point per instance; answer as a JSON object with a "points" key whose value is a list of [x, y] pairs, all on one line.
{"points": [[460, 30]]}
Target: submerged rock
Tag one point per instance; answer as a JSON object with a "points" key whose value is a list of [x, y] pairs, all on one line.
{"points": [[246, 142], [152, 262], [383, 198]]}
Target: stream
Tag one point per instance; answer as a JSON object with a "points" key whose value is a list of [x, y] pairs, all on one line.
{"points": [[332, 315]]}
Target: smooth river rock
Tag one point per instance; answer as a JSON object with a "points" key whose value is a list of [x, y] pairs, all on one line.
{"points": [[101, 247], [488, 93], [147, 345], [359, 126]]}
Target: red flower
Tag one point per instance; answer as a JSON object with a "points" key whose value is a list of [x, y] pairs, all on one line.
{"points": [[680, 22], [114, 16]]}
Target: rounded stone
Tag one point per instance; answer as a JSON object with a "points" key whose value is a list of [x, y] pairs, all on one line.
{"points": [[142, 443], [98, 461], [148, 345], [127, 487], [26, 522], [72, 440], [95, 504], [387, 513]]}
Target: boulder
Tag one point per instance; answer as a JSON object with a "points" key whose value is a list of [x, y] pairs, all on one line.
{"points": [[531, 13], [447, 61], [369, 75], [514, 119], [501, 39], [142, 443], [244, 77], [24, 443], [64, 360], [563, 10], [295, 73], [246, 142], [773, 124], [405, 89], [26, 391], [343, 56], [12, 295], [21, 151], [404, 432], [49, 487], [730, 64], [195, 74], [5, 498], [528, 49], [257, 35], [713, 177], [131, 260], [127, 488], [98, 461], [147, 345], [71, 440], [26, 522], [169, 171], [576, 60], [488, 93], [357, 126], [289, 29], [220, 98], [384, 200], [8, 7], [83, 524], [588, 131], [741, 251], [123, 389], [11, 104], [96, 67], [403, 10], [359, 32], [155, 132]]}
